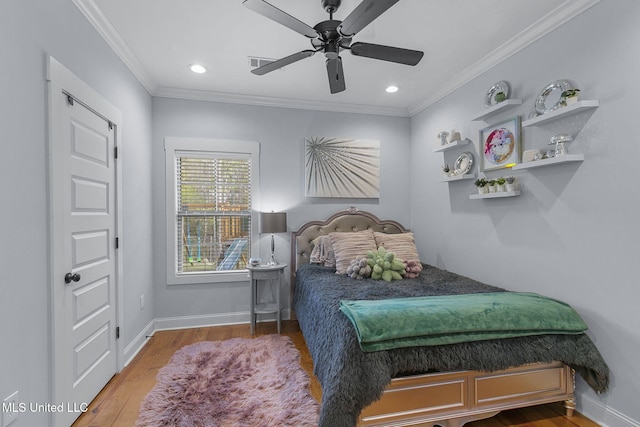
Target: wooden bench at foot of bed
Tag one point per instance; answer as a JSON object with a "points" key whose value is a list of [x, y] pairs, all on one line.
{"points": [[452, 399]]}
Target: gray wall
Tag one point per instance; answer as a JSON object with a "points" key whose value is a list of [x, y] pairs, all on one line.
{"points": [[28, 32], [573, 233], [281, 134]]}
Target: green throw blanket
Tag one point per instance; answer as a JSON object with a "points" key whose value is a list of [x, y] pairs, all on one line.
{"points": [[448, 319]]}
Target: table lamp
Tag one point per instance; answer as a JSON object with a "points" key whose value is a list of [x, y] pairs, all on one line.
{"points": [[273, 222]]}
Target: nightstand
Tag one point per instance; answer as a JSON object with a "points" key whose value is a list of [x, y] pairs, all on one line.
{"points": [[266, 273]]}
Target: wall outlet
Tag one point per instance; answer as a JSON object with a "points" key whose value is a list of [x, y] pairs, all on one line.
{"points": [[142, 302], [10, 409]]}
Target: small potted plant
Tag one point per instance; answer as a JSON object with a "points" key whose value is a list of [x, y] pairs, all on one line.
{"points": [[500, 184], [500, 96], [481, 183], [492, 186], [569, 96], [447, 170], [511, 183]]}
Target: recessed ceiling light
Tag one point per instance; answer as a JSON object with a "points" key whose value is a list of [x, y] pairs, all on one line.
{"points": [[392, 89], [197, 68]]}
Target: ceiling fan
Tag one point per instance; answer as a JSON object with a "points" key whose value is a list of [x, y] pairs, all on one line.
{"points": [[333, 36]]}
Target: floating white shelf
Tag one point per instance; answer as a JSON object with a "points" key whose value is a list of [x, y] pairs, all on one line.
{"points": [[454, 144], [562, 112], [499, 107], [567, 158], [495, 195], [458, 177]]}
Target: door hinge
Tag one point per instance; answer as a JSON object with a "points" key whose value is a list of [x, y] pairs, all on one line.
{"points": [[110, 125], [117, 332], [70, 99], [117, 243], [115, 152]]}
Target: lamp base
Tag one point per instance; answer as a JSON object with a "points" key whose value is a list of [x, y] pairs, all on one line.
{"points": [[273, 261]]}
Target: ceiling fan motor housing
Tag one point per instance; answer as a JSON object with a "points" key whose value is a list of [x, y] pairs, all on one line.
{"points": [[330, 40]]}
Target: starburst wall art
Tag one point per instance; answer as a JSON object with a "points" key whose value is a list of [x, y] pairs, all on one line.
{"points": [[340, 167]]}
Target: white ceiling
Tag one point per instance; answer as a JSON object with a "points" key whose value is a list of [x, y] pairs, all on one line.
{"points": [[158, 39]]}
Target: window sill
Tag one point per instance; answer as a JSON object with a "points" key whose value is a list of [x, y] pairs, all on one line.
{"points": [[214, 277]]}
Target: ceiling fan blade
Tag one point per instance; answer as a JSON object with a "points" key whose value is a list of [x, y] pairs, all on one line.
{"points": [[275, 14], [336, 75], [387, 53], [272, 66], [363, 14]]}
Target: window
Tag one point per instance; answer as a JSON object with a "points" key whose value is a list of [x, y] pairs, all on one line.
{"points": [[211, 194]]}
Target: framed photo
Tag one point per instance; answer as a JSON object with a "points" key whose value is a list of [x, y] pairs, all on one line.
{"points": [[500, 145]]}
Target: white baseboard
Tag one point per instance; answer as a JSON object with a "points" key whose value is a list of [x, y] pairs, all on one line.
{"points": [[185, 322], [134, 347], [604, 415]]}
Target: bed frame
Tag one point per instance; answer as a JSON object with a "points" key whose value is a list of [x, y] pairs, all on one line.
{"points": [[447, 399]]}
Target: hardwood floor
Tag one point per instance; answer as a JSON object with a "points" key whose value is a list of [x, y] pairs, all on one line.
{"points": [[118, 403]]}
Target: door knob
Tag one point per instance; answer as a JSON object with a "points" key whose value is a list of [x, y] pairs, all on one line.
{"points": [[71, 277]]}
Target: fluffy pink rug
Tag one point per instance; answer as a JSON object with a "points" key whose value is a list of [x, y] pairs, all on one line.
{"points": [[238, 382]]}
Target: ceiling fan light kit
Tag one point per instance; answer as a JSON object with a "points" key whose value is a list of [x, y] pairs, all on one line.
{"points": [[332, 36]]}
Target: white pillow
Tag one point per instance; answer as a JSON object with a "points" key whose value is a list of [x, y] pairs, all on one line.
{"points": [[401, 244], [349, 246]]}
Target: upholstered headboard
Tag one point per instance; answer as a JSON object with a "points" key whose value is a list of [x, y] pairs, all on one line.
{"points": [[351, 219]]}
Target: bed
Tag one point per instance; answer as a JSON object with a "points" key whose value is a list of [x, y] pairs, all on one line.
{"points": [[444, 385]]}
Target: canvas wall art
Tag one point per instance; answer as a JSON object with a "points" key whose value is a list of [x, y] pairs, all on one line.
{"points": [[341, 167]]}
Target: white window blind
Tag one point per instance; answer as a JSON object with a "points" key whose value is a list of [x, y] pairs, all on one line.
{"points": [[213, 212]]}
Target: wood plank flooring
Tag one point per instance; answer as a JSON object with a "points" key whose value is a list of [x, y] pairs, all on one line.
{"points": [[118, 403]]}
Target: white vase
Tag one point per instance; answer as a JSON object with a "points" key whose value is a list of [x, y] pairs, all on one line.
{"points": [[492, 189], [571, 100], [483, 190], [511, 187], [500, 188]]}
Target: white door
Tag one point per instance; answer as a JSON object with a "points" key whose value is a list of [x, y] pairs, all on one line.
{"points": [[83, 209]]}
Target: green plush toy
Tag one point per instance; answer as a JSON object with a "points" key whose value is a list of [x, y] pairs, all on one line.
{"points": [[384, 265]]}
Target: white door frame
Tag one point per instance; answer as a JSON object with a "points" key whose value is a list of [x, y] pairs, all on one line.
{"points": [[62, 79]]}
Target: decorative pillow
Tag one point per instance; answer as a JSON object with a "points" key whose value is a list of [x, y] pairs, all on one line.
{"points": [[322, 252], [401, 244], [349, 246]]}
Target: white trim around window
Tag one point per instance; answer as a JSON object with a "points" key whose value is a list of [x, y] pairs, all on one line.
{"points": [[176, 146]]}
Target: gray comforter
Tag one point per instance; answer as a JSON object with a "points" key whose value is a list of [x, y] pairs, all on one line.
{"points": [[352, 379]]}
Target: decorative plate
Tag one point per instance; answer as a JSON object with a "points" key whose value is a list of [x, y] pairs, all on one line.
{"points": [[463, 163], [490, 97], [550, 98]]}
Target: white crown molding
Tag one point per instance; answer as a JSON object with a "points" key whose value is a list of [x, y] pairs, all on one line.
{"points": [[264, 101], [560, 15], [554, 19], [96, 17]]}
